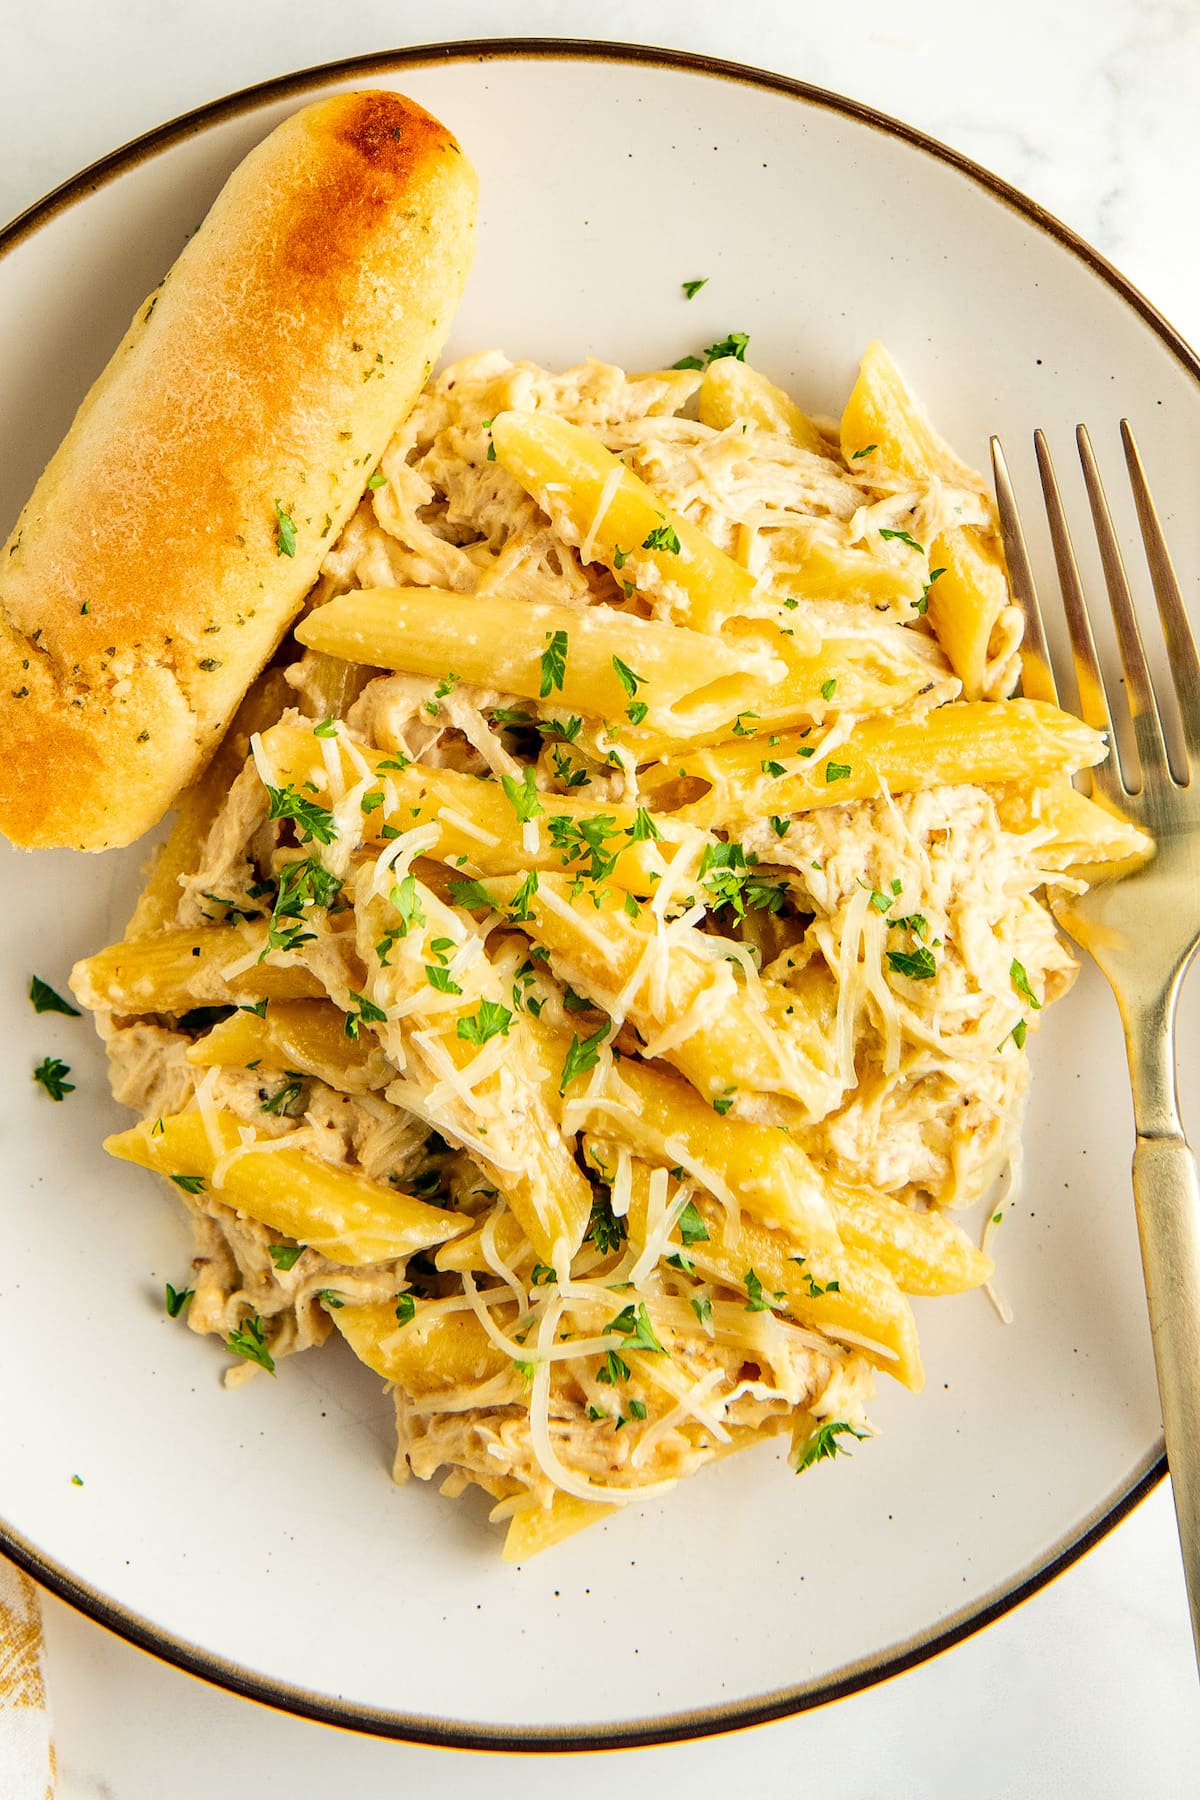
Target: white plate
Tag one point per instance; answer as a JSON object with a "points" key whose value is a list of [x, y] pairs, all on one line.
{"points": [[256, 1537]]}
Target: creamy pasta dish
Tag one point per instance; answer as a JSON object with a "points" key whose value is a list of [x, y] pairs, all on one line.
{"points": [[600, 959]]}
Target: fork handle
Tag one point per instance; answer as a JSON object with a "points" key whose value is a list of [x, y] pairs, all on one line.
{"points": [[1166, 1193]]}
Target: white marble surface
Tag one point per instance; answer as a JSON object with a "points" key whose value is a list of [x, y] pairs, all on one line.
{"points": [[1089, 1689]]}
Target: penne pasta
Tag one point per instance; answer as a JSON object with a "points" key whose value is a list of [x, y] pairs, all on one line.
{"points": [[173, 971], [347, 1217], [596, 661], [618, 519], [733, 391], [969, 741]]}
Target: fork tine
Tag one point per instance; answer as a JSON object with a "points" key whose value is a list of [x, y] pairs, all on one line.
{"points": [[1037, 673], [1089, 680], [1139, 689], [1177, 630]]}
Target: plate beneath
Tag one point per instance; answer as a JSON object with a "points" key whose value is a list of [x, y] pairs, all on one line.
{"points": [[256, 1537]]}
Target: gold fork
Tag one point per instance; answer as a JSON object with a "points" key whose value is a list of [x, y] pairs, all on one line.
{"points": [[1143, 927]]}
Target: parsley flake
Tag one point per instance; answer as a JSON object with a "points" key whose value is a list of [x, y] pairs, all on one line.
{"points": [[285, 532], [554, 663], [250, 1341], [286, 1256], [490, 1021], [692, 288], [50, 1072], [522, 795], [582, 1055], [905, 538], [312, 821], [823, 1444], [1020, 981], [920, 966], [44, 999], [662, 538], [177, 1299]]}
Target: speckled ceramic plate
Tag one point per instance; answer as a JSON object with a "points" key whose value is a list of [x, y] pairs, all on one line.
{"points": [[256, 1537]]}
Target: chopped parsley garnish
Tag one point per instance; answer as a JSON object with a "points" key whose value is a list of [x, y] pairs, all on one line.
{"points": [[865, 451], [519, 908], [582, 1055], [757, 1300], [301, 884], [1020, 981], [1018, 1035], [823, 1444], [285, 1097], [829, 688], [368, 1014], [662, 538], [543, 1275], [576, 839], [625, 675], [403, 897], [286, 1256], [44, 999], [440, 979], [770, 767], [406, 1308], [740, 730], [50, 1072], [177, 1299], [327, 1297], [605, 1230], [919, 966], [688, 362], [377, 480], [779, 825], [445, 686], [522, 795], [572, 775], [815, 1288], [469, 893], [922, 605], [312, 821], [724, 1101], [905, 538], [917, 923], [635, 1329], [733, 345], [490, 1021], [372, 802], [643, 827], [730, 877], [250, 1341], [285, 532], [554, 663], [692, 288], [615, 1369], [692, 1229], [702, 1307], [326, 729], [836, 771], [620, 557]]}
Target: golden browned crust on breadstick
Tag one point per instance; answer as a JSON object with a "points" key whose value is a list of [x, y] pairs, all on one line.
{"points": [[145, 583]]}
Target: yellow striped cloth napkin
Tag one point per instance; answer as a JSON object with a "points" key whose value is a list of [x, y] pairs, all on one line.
{"points": [[26, 1752]]}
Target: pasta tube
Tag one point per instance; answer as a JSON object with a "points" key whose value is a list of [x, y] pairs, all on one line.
{"points": [[617, 520], [727, 1039], [732, 391], [347, 1217], [595, 660], [173, 971], [434, 1351], [970, 594], [968, 741], [306, 1035]]}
